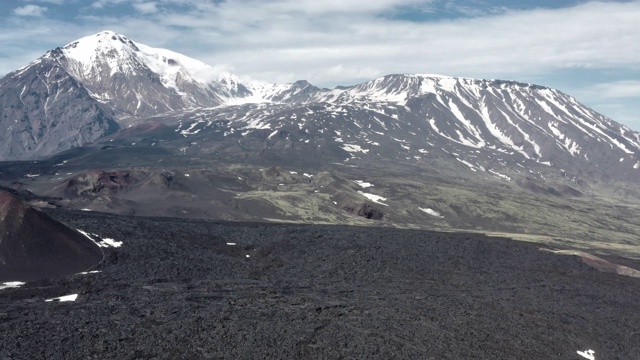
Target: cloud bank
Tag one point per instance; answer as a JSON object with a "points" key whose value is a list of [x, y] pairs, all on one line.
{"points": [[347, 41], [30, 10]]}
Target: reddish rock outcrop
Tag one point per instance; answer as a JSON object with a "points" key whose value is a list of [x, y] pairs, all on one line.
{"points": [[35, 246], [99, 182], [365, 210]]}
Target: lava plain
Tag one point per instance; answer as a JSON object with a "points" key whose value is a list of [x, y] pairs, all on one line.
{"points": [[198, 289]]}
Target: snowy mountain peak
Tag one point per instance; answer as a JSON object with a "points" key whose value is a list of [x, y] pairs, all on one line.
{"points": [[104, 82], [154, 80], [110, 52], [138, 80], [89, 48], [398, 88]]}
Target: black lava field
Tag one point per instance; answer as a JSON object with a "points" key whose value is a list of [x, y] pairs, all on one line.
{"points": [[195, 289]]}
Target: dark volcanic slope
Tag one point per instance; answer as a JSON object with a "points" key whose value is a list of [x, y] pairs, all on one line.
{"points": [[176, 290], [35, 246]]}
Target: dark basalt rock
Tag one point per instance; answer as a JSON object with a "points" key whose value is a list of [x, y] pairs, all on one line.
{"points": [[176, 290], [370, 212], [35, 246], [365, 210], [99, 182], [152, 130]]}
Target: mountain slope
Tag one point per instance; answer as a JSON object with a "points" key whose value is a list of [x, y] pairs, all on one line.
{"points": [[91, 87], [35, 246], [502, 128], [137, 80], [45, 111]]}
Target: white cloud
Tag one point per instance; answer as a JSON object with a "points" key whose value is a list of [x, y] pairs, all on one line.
{"points": [[616, 89], [314, 7], [146, 7], [99, 4], [30, 10], [625, 112], [348, 41], [338, 41], [56, 2], [618, 100], [288, 37]]}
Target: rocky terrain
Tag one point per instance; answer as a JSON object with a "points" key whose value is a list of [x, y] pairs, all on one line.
{"points": [[198, 289], [150, 181], [100, 84], [34, 246], [159, 209], [108, 124]]}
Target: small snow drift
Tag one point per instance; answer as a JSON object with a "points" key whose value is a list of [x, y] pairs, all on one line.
{"points": [[375, 198], [11, 284], [101, 242], [589, 354], [35, 246], [65, 298], [363, 184], [431, 212], [89, 272]]}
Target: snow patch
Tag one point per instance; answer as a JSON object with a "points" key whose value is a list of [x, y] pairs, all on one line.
{"points": [[89, 272], [468, 125], [11, 284], [363, 184], [375, 198], [190, 130], [352, 148], [501, 176], [431, 212], [588, 354], [470, 165], [71, 297], [106, 242]]}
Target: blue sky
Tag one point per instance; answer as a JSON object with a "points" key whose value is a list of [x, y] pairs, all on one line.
{"points": [[588, 49]]}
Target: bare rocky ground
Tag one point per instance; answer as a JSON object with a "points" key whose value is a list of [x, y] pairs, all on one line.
{"points": [[175, 289]]}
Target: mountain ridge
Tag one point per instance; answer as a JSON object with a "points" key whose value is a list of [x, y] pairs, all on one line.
{"points": [[485, 123]]}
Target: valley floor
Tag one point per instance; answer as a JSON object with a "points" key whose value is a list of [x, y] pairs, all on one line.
{"points": [[197, 289]]}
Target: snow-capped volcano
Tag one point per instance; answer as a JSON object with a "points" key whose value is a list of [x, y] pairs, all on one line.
{"points": [[107, 51], [138, 80], [529, 119], [95, 85], [503, 129]]}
